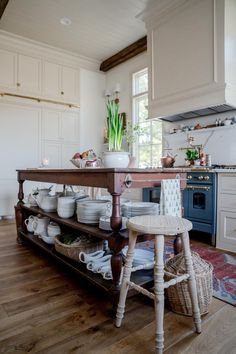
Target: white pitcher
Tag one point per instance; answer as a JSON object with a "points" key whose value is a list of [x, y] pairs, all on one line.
{"points": [[40, 225], [41, 194]]}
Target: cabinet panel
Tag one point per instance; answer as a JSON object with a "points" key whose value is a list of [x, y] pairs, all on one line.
{"points": [[227, 201], [227, 231], [7, 69], [227, 183], [51, 125], [51, 79], [69, 126], [69, 83], [29, 74], [52, 151]]}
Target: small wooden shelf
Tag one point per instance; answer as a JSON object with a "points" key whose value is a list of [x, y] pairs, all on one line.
{"points": [[203, 130], [142, 277]]}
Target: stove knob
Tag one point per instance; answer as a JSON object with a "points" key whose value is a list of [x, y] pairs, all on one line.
{"points": [[206, 178], [200, 178], [190, 177]]}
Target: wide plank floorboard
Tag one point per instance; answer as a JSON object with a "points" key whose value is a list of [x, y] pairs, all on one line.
{"points": [[44, 309]]}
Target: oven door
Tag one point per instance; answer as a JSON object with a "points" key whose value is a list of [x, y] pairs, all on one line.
{"points": [[199, 202]]}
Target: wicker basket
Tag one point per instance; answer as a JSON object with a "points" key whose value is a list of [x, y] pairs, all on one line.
{"points": [[178, 297], [73, 251]]}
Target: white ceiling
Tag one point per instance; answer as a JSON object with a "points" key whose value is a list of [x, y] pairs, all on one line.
{"points": [[99, 28]]}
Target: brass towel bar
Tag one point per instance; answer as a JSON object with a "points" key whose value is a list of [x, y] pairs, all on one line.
{"points": [[39, 99]]}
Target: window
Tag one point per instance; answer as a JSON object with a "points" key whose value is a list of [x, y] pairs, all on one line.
{"points": [[148, 149]]}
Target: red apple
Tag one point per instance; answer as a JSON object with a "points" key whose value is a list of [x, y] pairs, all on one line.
{"points": [[77, 156]]}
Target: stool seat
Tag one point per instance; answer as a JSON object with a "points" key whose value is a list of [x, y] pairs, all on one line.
{"points": [[159, 224]]}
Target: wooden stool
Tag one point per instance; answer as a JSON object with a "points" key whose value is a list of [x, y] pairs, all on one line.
{"points": [[159, 226]]}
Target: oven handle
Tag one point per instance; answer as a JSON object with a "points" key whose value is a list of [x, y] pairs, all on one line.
{"points": [[198, 187]]}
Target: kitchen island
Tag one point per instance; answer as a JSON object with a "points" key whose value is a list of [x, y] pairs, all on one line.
{"points": [[115, 181]]}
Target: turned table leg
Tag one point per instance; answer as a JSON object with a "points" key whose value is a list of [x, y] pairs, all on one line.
{"points": [[116, 243], [19, 213]]}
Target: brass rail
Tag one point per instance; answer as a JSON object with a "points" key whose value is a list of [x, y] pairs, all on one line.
{"points": [[198, 187], [39, 99]]}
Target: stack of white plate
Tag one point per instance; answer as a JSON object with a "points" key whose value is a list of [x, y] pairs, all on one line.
{"points": [[105, 223], [90, 211], [141, 257], [131, 209]]}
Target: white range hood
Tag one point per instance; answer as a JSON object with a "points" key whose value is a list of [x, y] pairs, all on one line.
{"points": [[192, 57]]}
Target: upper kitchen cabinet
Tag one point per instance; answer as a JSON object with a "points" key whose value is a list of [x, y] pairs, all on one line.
{"points": [[20, 73], [60, 82], [192, 50]]}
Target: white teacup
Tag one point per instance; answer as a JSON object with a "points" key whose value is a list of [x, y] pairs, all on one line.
{"points": [[40, 225], [29, 223]]}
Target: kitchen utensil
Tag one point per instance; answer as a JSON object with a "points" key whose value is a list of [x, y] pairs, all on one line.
{"points": [[168, 161]]}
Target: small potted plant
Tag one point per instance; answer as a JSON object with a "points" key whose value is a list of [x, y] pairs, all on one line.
{"points": [[192, 155], [115, 156]]}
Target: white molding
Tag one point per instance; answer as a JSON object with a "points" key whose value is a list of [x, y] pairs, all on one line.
{"points": [[25, 45]]}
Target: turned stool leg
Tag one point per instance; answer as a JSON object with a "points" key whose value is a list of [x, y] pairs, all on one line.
{"points": [[126, 277], [159, 292], [191, 281]]}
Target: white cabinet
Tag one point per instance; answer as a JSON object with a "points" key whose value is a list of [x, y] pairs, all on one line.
{"points": [[60, 137], [20, 73], [7, 69], [226, 212], [191, 46], [60, 82], [29, 74]]}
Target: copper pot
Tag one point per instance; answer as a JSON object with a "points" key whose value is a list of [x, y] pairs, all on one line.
{"points": [[167, 161]]}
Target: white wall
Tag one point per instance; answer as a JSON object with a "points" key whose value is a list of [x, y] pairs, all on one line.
{"points": [[220, 144], [122, 74], [92, 110]]}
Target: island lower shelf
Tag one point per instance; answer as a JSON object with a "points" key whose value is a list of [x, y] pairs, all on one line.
{"points": [[142, 277]]}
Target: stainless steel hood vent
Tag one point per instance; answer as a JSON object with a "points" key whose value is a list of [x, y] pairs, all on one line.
{"points": [[199, 113]]}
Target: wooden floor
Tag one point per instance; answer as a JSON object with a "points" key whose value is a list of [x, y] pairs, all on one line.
{"points": [[44, 310]]}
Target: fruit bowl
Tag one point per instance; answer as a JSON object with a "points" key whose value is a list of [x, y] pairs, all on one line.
{"points": [[78, 163]]}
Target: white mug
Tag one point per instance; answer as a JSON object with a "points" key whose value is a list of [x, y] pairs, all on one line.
{"points": [[40, 225], [88, 257], [29, 223]]}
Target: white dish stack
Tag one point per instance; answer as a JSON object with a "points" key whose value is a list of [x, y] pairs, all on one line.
{"points": [[131, 209], [105, 223], [142, 257], [90, 211]]}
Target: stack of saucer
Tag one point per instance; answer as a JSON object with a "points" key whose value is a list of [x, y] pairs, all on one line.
{"points": [[105, 223], [131, 209], [89, 211]]}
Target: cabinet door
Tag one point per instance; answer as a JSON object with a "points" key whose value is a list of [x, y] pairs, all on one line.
{"points": [[7, 69], [29, 74], [69, 84], [67, 151], [51, 125], [226, 234], [51, 80], [69, 127], [52, 152]]}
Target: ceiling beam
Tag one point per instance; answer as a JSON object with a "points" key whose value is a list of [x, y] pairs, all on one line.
{"points": [[127, 53], [3, 4]]}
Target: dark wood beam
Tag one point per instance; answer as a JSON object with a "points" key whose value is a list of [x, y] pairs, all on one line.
{"points": [[3, 4], [127, 53]]}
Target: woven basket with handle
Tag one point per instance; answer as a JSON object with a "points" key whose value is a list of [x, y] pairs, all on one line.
{"points": [[72, 251], [178, 297]]}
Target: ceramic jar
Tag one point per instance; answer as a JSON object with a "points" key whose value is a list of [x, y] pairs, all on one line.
{"points": [[53, 229], [66, 207]]}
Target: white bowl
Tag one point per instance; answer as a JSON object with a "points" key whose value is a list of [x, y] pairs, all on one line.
{"points": [[48, 239]]}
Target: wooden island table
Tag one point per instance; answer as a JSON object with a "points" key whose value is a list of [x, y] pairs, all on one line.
{"points": [[115, 181]]}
